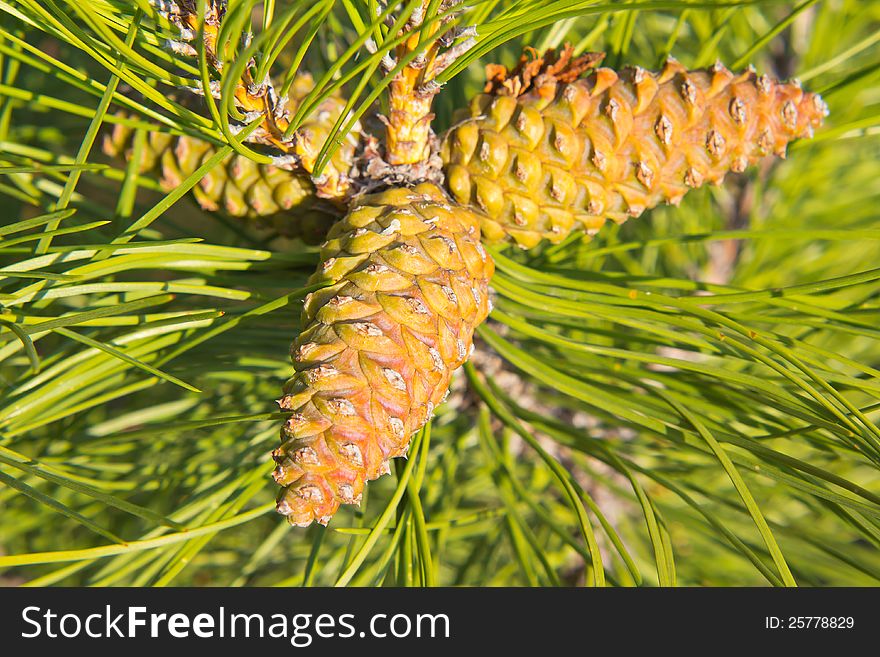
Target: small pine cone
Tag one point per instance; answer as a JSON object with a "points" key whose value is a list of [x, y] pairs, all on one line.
{"points": [[274, 197], [119, 141], [544, 153], [239, 187], [409, 286]]}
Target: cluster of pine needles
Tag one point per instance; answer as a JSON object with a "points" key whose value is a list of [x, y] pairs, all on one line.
{"points": [[689, 399]]}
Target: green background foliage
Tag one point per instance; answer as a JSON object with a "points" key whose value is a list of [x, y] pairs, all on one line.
{"points": [[688, 399]]}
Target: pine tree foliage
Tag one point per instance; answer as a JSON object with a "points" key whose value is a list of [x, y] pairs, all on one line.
{"points": [[689, 398]]}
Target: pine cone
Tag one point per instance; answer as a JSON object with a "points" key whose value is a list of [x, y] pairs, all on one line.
{"points": [[119, 140], [544, 153], [239, 187], [277, 198], [409, 286]]}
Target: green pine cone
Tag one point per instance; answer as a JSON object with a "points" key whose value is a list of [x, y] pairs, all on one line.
{"points": [[273, 197]]}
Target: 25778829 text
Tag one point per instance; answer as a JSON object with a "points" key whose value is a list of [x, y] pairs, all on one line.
{"points": [[809, 622]]}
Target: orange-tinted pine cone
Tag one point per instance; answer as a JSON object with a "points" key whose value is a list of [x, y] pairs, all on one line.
{"points": [[409, 286], [543, 153]]}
